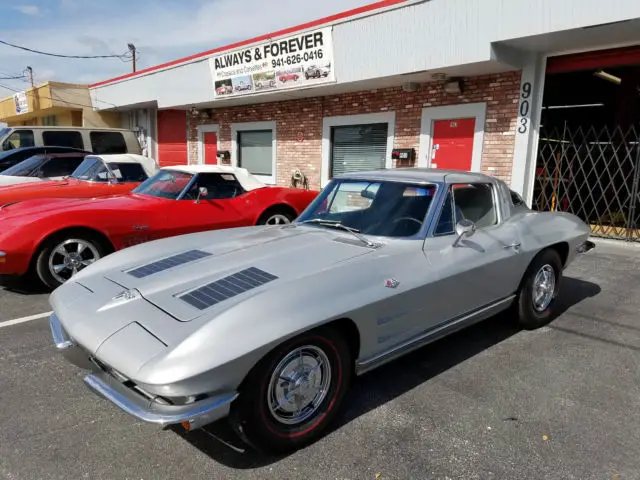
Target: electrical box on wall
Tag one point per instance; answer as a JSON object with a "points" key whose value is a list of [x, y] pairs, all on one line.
{"points": [[404, 157]]}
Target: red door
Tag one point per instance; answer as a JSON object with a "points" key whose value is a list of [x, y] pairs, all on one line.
{"points": [[210, 150], [172, 138], [452, 143]]}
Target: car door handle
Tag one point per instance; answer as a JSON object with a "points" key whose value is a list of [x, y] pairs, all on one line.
{"points": [[514, 245]]}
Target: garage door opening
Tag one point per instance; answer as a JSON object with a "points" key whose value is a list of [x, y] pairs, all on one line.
{"points": [[588, 159]]}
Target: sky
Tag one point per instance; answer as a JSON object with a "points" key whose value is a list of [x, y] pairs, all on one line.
{"points": [[161, 30]]}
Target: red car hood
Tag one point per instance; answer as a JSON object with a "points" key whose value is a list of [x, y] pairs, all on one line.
{"points": [[48, 206]]}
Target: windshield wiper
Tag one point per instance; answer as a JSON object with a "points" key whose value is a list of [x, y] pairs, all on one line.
{"points": [[335, 224]]}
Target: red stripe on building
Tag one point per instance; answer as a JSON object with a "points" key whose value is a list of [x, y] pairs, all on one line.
{"points": [[595, 59], [315, 23]]}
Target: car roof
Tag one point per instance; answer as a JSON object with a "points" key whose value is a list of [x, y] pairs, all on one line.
{"points": [[418, 175], [248, 181]]}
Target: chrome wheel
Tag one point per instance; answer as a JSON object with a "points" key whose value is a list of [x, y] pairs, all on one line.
{"points": [[299, 385], [71, 256], [544, 287], [277, 219]]}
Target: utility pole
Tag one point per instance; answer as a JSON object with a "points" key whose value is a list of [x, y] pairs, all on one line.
{"points": [[30, 73], [132, 49]]}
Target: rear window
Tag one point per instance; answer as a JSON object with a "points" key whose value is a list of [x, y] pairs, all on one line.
{"points": [[63, 138], [108, 142], [128, 172]]}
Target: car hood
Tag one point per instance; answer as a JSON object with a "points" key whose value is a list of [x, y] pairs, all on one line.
{"points": [[6, 180], [97, 312], [268, 255], [26, 209]]}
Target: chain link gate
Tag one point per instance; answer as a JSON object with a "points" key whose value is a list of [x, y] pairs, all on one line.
{"points": [[593, 173]]}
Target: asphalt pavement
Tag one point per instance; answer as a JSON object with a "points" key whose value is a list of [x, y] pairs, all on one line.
{"points": [[491, 402]]}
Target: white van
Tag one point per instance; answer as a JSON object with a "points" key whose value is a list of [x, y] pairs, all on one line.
{"points": [[97, 140]]}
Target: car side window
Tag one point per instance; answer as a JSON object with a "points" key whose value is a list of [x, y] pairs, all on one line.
{"points": [[108, 142], [219, 186], [60, 166], [446, 222], [63, 138], [475, 202], [19, 139]]}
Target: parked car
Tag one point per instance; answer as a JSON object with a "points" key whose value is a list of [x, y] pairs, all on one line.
{"points": [[51, 166], [316, 72], [224, 89], [97, 140], [268, 325], [56, 238], [11, 158], [243, 86], [96, 176], [260, 84], [288, 76]]}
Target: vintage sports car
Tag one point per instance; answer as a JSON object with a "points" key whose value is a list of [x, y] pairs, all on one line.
{"points": [[267, 325], [43, 167], [96, 176], [56, 238], [12, 157]]}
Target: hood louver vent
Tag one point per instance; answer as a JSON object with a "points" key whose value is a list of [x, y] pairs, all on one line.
{"points": [[167, 263], [228, 287]]}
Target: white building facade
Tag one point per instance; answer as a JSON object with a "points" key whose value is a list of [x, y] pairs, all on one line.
{"points": [[436, 83]]}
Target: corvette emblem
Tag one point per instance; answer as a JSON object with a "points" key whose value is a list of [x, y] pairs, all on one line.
{"points": [[391, 283]]}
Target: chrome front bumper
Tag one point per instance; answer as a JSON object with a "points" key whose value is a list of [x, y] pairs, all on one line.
{"points": [[191, 416]]}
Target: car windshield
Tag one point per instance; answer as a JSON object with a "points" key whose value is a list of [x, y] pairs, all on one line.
{"points": [[165, 184], [26, 167], [383, 208], [93, 169]]}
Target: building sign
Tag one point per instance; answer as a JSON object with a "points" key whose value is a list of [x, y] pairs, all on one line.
{"points": [[22, 105], [297, 61]]}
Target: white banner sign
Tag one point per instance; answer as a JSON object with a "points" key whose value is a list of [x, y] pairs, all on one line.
{"points": [[297, 61], [22, 105]]}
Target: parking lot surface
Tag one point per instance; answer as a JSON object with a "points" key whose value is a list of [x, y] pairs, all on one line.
{"points": [[491, 402]]}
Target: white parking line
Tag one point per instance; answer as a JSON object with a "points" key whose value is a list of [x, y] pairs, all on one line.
{"points": [[30, 318]]}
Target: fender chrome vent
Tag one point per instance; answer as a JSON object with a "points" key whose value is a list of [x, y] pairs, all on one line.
{"points": [[225, 288], [167, 263]]}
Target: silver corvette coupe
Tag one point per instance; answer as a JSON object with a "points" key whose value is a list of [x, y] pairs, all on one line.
{"points": [[267, 325]]}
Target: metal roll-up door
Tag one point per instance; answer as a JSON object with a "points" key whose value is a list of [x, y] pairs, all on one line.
{"points": [[356, 148]]}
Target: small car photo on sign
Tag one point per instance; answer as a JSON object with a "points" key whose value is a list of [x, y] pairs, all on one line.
{"points": [[317, 72], [291, 75], [264, 81], [242, 84], [224, 87]]}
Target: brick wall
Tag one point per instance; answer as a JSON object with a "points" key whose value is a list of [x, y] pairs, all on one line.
{"points": [[499, 91]]}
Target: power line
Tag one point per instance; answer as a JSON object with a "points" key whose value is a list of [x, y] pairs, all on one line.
{"points": [[15, 90], [12, 78], [124, 55]]}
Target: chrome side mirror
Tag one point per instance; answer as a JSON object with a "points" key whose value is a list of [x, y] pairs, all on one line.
{"points": [[202, 192], [464, 229]]}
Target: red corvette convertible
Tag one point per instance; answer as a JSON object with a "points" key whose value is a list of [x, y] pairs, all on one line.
{"points": [[96, 176], [54, 238]]}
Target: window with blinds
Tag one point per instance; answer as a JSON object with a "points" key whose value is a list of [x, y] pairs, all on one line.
{"points": [[255, 151], [356, 148]]}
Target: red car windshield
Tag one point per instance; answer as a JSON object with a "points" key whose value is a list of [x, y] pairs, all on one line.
{"points": [[165, 184]]}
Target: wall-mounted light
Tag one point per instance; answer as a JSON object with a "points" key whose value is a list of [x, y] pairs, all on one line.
{"points": [[608, 77], [223, 155], [453, 86]]}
